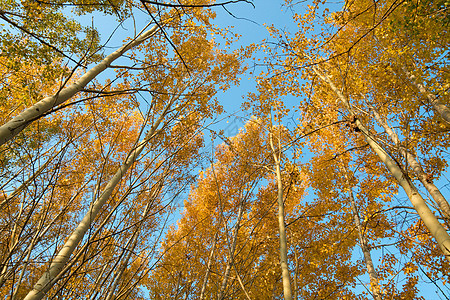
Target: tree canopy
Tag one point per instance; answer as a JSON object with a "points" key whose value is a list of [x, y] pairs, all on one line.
{"points": [[335, 187]]}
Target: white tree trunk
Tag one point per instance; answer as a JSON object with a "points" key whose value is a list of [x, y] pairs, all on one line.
{"points": [[374, 282], [437, 105], [39, 109], [47, 280], [431, 188], [287, 291], [373, 276], [130, 247], [210, 258], [231, 251]]}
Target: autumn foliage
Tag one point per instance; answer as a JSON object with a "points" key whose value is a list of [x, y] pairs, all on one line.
{"points": [[107, 190]]}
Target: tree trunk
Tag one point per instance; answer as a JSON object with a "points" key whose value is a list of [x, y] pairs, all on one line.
{"points": [[230, 261], [373, 276], [211, 255], [431, 188], [437, 105], [39, 109], [281, 223], [47, 280], [130, 247], [374, 282], [431, 222]]}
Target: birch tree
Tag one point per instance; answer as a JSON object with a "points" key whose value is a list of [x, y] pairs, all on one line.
{"points": [[372, 54], [120, 140]]}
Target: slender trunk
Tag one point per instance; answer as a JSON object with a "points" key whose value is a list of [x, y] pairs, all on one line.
{"points": [[211, 255], [374, 281], [47, 280], [230, 261], [295, 292], [83, 249], [94, 290], [373, 276], [287, 291], [437, 105], [39, 109], [123, 266], [431, 188], [131, 245], [431, 222]]}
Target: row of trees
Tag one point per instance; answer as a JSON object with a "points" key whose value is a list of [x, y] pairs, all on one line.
{"points": [[373, 107], [91, 170]]}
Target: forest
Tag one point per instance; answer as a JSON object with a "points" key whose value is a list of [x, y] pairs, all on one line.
{"points": [[121, 179]]}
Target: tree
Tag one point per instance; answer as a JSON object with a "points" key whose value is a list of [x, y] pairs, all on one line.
{"points": [[277, 156], [362, 61], [103, 154], [99, 145], [198, 245]]}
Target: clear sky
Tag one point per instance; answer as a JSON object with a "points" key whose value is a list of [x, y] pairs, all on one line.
{"points": [[249, 22]]}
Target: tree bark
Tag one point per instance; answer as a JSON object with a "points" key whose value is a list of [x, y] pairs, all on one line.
{"points": [[208, 266], [437, 105], [431, 188], [45, 283], [130, 248], [374, 281]]}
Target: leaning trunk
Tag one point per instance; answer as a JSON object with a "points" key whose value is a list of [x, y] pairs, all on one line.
{"points": [[440, 108], [41, 108], [374, 282], [420, 173], [373, 276], [429, 219]]}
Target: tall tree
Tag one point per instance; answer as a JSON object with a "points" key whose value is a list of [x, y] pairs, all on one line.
{"points": [[383, 55], [243, 165], [111, 156]]}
